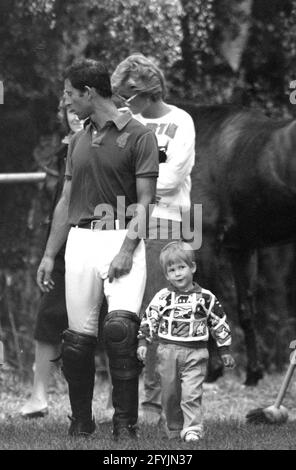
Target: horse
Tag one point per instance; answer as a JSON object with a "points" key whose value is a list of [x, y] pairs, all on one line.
{"points": [[245, 179]]}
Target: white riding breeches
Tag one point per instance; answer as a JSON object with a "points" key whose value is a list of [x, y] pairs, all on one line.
{"points": [[87, 259]]}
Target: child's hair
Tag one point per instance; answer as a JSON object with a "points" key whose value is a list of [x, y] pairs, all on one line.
{"points": [[176, 251]]}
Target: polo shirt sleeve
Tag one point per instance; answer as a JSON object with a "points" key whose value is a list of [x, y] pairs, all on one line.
{"points": [[72, 142], [146, 156]]}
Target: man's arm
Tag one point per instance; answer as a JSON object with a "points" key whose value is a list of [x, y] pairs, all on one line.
{"points": [[122, 263], [57, 237]]}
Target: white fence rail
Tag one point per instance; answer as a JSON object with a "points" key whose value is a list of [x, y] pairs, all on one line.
{"points": [[35, 177]]}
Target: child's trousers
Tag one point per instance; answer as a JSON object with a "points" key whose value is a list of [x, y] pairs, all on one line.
{"points": [[182, 373]]}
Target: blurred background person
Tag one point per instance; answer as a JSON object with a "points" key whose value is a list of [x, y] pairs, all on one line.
{"points": [[52, 314]]}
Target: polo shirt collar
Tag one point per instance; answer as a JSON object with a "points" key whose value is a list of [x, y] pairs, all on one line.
{"points": [[120, 121]]}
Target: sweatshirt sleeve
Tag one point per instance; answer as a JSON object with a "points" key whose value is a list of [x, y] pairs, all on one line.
{"points": [[150, 321], [219, 326], [180, 158]]}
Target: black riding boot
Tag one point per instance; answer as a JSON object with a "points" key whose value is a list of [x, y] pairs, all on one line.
{"points": [[125, 397], [120, 337], [78, 366]]}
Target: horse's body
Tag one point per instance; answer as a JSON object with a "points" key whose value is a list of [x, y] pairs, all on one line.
{"points": [[245, 179]]}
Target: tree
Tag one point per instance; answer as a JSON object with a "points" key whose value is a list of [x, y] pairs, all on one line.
{"points": [[266, 63]]}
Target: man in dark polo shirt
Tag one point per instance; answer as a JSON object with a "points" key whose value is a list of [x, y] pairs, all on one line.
{"points": [[111, 172]]}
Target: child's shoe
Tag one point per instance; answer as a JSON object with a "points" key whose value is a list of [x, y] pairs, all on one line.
{"points": [[192, 436]]}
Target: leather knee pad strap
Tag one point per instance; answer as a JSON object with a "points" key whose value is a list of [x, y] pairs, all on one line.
{"points": [[120, 337]]}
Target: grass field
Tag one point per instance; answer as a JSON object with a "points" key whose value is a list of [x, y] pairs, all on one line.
{"points": [[226, 404]]}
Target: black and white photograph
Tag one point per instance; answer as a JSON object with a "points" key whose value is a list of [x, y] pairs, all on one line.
{"points": [[147, 228]]}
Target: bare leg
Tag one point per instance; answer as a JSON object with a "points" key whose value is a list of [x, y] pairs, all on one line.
{"points": [[109, 405], [105, 382], [44, 353]]}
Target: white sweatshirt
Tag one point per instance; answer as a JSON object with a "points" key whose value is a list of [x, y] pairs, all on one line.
{"points": [[175, 132]]}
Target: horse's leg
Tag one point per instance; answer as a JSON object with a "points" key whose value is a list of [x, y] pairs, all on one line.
{"points": [[274, 296], [244, 265], [206, 276], [215, 365]]}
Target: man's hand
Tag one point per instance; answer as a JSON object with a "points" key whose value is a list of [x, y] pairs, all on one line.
{"points": [[141, 353], [120, 265], [44, 280], [228, 361]]}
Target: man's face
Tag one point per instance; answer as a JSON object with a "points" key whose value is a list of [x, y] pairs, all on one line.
{"points": [[77, 101]]}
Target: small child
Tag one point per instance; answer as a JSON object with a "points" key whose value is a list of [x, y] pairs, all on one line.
{"points": [[181, 316]]}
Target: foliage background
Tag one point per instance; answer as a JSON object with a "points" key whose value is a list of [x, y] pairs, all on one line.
{"points": [[192, 41]]}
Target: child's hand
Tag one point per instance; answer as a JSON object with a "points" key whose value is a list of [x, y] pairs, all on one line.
{"points": [[141, 353], [228, 361]]}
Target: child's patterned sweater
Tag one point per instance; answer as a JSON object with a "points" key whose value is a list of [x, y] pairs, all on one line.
{"points": [[185, 318]]}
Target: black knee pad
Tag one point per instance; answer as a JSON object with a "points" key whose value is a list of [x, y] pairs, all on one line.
{"points": [[120, 338], [77, 354]]}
